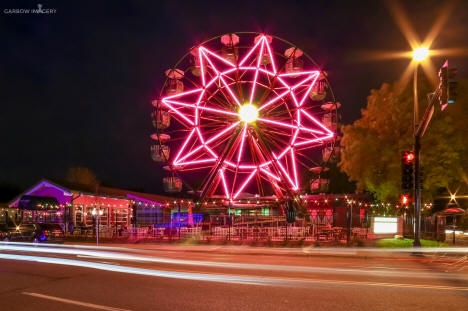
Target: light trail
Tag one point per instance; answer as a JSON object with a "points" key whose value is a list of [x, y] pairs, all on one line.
{"points": [[228, 265], [307, 250], [222, 278], [141, 271]]}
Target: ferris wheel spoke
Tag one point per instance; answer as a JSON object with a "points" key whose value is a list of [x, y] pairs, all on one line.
{"points": [[277, 138], [286, 125], [311, 77], [211, 139], [212, 89], [270, 174], [273, 161], [233, 96], [251, 51], [208, 57], [277, 141], [246, 181], [180, 114], [312, 162], [224, 182], [268, 49], [203, 108], [221, 97], [309, 142], [220, 143], [216, 101], [242, 140], [285, 173], [259, 58], [218, 73]]}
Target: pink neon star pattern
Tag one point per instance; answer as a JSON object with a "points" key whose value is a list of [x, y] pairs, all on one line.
{"points": [[238, 152]]}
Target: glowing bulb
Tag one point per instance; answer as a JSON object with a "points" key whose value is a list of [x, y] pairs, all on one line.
{"points": [[248, 113], [452, 197], [420, 53]]}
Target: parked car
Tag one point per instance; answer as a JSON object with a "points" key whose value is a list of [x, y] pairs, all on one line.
{"points": [[39, 233]]}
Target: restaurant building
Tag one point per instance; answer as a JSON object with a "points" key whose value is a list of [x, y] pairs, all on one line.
{"points": [[76, 206]]}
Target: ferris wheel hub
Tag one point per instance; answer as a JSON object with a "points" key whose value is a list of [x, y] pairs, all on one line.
{"points": [[248, 113]]}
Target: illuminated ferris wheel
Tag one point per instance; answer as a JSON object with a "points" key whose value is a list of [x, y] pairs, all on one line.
{"points": [[245, 114]]}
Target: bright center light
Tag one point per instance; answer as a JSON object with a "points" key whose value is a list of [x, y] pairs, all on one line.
{"points": [[420, 53], [248, 113], [452, 197]]}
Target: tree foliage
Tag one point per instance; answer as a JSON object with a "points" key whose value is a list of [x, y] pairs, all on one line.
{"points": [[372, 145], [82, 176]]}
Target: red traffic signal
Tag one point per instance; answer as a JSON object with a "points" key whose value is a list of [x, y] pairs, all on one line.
{"points": [[404, 199], [407, 161], [409, 157]]}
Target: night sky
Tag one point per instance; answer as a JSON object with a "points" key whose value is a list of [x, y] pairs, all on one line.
{"points": [[76, 86]]}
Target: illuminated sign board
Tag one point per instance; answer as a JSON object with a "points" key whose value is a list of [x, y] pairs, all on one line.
{"points": [[385, 225]]}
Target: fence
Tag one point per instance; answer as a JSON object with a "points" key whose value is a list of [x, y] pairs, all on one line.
{"points": [[233, 233], [234, 228]]}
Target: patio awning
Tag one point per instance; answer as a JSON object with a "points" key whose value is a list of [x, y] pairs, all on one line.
{"points": [[453, 211]]}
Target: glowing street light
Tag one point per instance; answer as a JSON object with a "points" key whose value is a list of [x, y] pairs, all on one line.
{"points": [[452, 197], [420, 53], [97, 213]]}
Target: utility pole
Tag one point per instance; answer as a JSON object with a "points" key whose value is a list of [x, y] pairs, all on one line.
{"points": [[445, 93], [417, 151]]}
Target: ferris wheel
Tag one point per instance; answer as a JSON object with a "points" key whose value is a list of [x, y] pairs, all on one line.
{"points": [[245, 114]]}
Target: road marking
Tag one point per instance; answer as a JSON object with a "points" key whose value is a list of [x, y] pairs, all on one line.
{"points": [[74, 302]]}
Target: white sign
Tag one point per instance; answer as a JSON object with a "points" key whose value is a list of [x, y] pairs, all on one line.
{"points": [[385, 225]]}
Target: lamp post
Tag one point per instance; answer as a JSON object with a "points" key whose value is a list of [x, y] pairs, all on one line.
{"points": [[349, 225], [419, 55], [179, 220], [97, 214]]}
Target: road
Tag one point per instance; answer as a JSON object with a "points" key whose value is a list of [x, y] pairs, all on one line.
{"points": [[144, 277]]}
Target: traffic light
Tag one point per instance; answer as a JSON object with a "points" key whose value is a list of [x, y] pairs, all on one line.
{"points": [[404, 199], [407, 160], [452, 85], [448, 85]]}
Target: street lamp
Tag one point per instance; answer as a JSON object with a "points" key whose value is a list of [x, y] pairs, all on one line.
{"points": [[98, 215], [419, 54]]}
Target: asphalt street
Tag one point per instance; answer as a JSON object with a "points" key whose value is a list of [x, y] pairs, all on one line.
{"points": [[66, 277]]}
